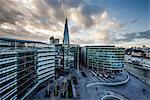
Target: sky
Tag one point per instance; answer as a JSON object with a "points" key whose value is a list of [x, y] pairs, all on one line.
{"points": [[91, 22]]}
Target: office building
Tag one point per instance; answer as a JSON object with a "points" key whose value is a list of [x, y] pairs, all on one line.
{"points": [[8, 74], [53, 40], [104, 58], [59, 59], [18, 72], [26, 71], [143, 52], [24, 65], [71, 57], [8, 43], [45, 62], [67, 56]]}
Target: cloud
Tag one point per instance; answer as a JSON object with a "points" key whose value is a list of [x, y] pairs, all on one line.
{"points": [[9, 12], [89, 21], [61, 8], [134, 21], [79, 41], [41, 17], [21, 33], [66, 3], [135, 35]]}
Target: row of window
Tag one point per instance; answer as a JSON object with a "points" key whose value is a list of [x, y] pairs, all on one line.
{"points": [[8, 68], [106, 61], [23, 60], [24, 80], [7, 82], [7, 90], [12, 95], [46, 72], [46, 55], [48, 59], [106, 54], [26, 74], [8, 73], [106, 65], [25, 65], [25, 54], [105, 51], [28, 68], [105, 48], [6, 56], [46, 64], [105, 58], [46, 51], [7, 64], [25, 88], [46, 68]]}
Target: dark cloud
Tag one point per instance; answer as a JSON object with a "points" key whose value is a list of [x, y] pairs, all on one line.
{"points": [[41, 7], [134, 21], [136, 35], [8, 12], [64, 3], [88, 10], [54, 3], [21, 34], [48, 13], [91, 9], [72, 3], [62, 8]]}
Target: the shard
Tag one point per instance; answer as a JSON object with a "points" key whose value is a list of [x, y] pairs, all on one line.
{"points": [[66, 34]]}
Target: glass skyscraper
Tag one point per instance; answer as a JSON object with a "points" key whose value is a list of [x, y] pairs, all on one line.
{"points": [[66, 34]]}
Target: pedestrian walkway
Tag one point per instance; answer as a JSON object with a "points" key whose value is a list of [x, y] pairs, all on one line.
{"points": [[109, 83]]}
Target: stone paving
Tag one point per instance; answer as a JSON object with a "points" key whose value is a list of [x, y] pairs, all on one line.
{"points": [[135, 89]]}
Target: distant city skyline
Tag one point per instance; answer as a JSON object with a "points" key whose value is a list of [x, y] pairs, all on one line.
{"points": [[91, 22]]}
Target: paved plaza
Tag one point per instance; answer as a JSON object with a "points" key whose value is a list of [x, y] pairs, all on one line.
{"points": [[134, 89]]}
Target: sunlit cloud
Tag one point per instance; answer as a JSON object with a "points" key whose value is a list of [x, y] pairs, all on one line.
{"points": [[90, 22]]}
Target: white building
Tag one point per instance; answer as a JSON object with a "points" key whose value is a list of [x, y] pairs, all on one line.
{"points": [[24, 65], [8, 75], [45, 62]]}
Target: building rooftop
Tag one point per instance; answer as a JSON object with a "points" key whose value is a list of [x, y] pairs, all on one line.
{"points": [[20, 41], [101, 46]]}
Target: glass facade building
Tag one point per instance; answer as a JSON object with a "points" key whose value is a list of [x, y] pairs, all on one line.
{"points": [[24, 65], [70, 56], [26, 71], [8, 74], [105, 57], [18, 72], [66, 34]]}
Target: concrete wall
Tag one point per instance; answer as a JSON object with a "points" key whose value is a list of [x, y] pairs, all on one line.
{"points": [[143, 74]]}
